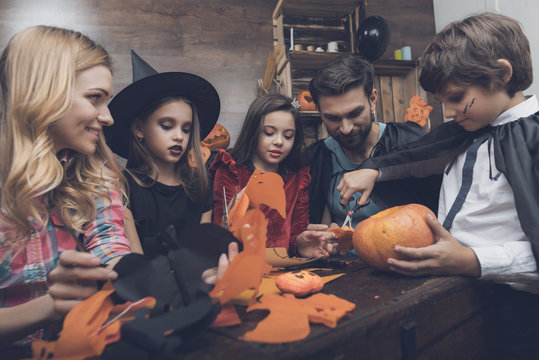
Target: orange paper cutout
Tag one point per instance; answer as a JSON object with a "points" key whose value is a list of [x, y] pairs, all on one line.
{"points": [[344, 236], [289, 317], [249, 225], [418, 111], [265, 188], [82, 336]]}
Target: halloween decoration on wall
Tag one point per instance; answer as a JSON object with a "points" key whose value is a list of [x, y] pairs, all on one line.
{"points": [[204, 150], [372, 37], [289, 317], [306, 101], [344, 236], [218, 138], [299, 283], [375, 238], [418, 111], [248, 223]]}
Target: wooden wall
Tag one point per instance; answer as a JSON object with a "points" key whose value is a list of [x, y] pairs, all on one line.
{"points": [[224, 41]]}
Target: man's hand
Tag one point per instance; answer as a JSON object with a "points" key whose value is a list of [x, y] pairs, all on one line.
{"points": [[446, 257], [74, 279], [315, 242], [357, 181]]}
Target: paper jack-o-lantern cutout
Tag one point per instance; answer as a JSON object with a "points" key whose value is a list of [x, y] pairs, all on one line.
{"points": [[289, 317], [299, 283]]}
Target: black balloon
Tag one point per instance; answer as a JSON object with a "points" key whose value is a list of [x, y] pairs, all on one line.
{"points": [[372, 37]]}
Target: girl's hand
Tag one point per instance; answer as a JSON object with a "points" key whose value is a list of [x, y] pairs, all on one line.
{"points": [[315, 242], [213, 275], [357, 181], [446, 257], [74, 279]]}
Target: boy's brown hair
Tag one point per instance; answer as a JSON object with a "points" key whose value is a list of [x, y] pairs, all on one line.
{"points": [[466, 52]]}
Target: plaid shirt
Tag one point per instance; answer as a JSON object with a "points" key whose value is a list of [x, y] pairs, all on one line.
{"points": [[24, 277]]}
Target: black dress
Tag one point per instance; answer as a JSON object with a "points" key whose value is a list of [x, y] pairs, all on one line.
{"points": [[156, 206]]}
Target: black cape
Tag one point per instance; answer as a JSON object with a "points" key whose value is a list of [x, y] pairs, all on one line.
{"points": [[385, 194], [516, 155]]}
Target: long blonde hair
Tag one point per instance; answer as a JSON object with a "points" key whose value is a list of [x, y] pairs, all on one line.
{"points": [[37, 74], [194, 179]]}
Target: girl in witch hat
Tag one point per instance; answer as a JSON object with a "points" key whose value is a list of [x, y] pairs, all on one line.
{"points": [[160, 119]]}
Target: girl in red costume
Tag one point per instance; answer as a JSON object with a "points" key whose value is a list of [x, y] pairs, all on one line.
{"points": [[270, 140]]}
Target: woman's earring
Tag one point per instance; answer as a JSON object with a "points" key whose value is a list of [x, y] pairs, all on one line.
{"points": [[139, 139]]}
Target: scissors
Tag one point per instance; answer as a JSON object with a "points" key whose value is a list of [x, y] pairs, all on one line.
{"points": [[227, 206], [350, 212]]}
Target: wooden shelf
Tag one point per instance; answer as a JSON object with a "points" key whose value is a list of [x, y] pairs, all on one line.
{"points": [[314, 60]]}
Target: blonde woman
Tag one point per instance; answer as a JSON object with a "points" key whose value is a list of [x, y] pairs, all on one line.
{"points": [[59, 185]]}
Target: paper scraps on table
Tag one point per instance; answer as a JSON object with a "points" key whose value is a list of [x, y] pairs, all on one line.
{"points": [[289, 316]]}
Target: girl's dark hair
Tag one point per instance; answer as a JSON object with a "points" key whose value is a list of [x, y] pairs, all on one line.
{"points": [[247, 141], [195, 180], [466, 52]]}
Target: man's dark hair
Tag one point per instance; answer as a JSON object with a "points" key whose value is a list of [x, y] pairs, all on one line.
{"points": [[342, 74]]}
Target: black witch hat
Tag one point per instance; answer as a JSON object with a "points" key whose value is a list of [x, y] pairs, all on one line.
{"points": [[149, 86]]}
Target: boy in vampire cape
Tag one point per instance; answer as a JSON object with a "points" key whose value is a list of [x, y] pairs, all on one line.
{"points": [[489, 199]]}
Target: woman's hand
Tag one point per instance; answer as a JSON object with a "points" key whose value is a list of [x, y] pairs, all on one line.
{"points": [[315, 242], [357, 181], [446, 257], [213, 275], [74, 279]]}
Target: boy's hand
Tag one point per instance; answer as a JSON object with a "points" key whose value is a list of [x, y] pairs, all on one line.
{"points": [[315, 242], [74, 279], [446, 257], [357, 181]]}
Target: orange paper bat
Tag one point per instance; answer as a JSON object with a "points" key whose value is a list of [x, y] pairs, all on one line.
{"points": [[81, 337], [418, 111], [248, 223], [289, 316], [344, 235]]}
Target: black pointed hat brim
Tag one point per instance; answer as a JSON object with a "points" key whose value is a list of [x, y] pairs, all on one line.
{"points": [[133, 99]]}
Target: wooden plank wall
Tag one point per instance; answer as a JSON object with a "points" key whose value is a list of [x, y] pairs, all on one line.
{"points": [[225, 41], [411, 22]]}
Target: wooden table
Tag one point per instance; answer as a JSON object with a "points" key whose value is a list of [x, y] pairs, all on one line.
{"points": [[396, 317]]}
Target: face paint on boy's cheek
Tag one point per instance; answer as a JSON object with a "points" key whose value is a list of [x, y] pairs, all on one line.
{"points": [[468, 106]]}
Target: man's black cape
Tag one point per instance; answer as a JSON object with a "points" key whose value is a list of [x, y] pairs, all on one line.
{"points": [[516, 155], [385, 194]]}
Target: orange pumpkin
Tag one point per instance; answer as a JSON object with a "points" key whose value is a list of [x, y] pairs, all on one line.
{"points": [[344, 235], [205, 155], [218, 138], [299, 283], [306, 101], [375, 238]]}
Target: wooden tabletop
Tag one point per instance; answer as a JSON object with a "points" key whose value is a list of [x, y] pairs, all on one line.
{"points": [[396, 317]]}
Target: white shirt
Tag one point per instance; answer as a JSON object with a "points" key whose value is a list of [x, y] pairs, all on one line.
{"points": [[488, 221]]}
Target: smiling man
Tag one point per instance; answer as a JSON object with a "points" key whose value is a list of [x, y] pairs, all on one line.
{"points": [[346, 99]]}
